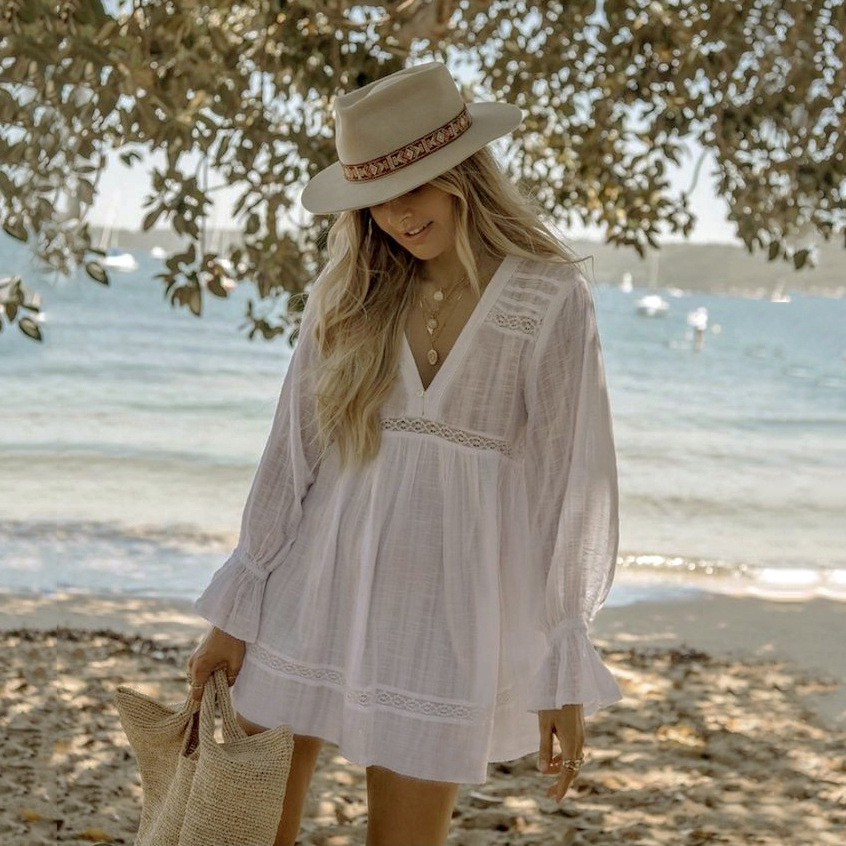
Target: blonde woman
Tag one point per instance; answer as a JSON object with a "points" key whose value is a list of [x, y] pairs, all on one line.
{"points": [[433, 522]]}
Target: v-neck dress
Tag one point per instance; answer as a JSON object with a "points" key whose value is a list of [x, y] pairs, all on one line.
{"points": [[418, 610]]}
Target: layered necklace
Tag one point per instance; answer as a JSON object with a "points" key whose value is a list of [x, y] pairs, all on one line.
{"points": [[432, 316]]}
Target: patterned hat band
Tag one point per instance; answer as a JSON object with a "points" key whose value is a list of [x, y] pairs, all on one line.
{"points": [[409, 153]]}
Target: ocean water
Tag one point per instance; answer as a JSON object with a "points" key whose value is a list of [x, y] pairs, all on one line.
{"points": [[128, 440]]}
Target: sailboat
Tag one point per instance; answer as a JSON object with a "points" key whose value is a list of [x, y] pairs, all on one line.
{"points": [[115, 258], [217, 246], [652, 305], [777, 295]]}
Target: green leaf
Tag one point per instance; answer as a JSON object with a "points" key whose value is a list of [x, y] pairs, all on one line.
{"points": [[215, 286], [29, 327], [297, 302], [14, 292], [97, 272], [85, 190], [16, 230], [195, 301], [151, 218], [8, 187], [130, 156]]}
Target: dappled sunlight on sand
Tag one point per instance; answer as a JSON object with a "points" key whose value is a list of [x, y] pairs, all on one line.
{"points": [[702, 749]]}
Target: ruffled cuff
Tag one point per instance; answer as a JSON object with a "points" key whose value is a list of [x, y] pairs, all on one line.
{"points": [[572, 673], [232, 601]]}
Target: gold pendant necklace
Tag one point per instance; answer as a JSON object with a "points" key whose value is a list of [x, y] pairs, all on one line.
{"points": [[433, 324]]}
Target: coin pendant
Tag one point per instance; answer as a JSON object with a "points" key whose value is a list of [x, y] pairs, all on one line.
{"points": [[438, 296], [431, 324], [432, 355]]}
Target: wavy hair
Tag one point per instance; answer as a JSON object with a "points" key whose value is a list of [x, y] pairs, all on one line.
{"points": [[364, 292]]}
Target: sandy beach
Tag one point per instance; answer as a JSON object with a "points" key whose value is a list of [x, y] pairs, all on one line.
{"points": [[732, 729]]}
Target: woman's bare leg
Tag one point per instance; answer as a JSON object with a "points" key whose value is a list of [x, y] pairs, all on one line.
{"points": [[306, 750], [404, 811]]}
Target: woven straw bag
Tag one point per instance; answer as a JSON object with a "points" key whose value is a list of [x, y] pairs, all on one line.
{"points": [[195, 790]]}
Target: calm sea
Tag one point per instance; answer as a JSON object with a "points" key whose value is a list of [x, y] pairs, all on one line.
{"points": [[128, 439]]}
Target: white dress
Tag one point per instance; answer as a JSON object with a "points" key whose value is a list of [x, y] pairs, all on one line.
{"points": [[418, 611]]}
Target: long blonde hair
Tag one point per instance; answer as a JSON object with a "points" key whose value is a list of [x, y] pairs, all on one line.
{"points": [[363, 295]]}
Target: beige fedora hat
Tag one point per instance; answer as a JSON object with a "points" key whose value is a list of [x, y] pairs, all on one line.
{"points": [[400, 132]]}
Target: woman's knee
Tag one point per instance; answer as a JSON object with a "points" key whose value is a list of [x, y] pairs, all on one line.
{"points": [[404, 811]]}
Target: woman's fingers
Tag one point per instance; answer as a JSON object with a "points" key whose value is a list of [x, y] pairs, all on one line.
{"points": [[230, 673], [555, 764], [216, 649], [558, 790], [198, 682], [565, 778], [198, 675], [567, 724], [199, 679], [545, 750]]}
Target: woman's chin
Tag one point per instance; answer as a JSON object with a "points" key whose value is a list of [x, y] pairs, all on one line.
{"points": [[424, 252]]}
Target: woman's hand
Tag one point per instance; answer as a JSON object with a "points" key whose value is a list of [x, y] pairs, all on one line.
{"points": [[568, 725], [216, 649]]}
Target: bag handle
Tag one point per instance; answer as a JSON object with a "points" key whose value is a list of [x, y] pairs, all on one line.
{"points": [[217, 688]]}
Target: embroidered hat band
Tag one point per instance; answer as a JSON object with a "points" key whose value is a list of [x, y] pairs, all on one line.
{"points": [[410, 153]]}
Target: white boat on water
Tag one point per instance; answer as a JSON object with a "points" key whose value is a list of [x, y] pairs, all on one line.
{"points": [[626, 283], [158, 252], [115, 258], [652, 305], [698, 318], [120, 260], [218, 246]]}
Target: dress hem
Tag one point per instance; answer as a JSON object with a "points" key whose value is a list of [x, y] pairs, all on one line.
{"points": [[373, 735]]}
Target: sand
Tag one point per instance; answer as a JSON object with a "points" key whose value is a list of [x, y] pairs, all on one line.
{"points": [[732, 729]]}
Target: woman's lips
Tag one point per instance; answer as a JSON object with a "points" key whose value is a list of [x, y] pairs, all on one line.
{"points": [[420, 235]]}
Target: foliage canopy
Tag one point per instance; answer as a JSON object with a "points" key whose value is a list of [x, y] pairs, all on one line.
{"points": [[612, 92]]}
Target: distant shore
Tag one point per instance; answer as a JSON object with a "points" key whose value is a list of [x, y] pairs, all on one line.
{"points": [[719, 268], [731, 730]]}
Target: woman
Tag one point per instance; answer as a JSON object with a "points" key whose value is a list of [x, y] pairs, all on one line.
{"points": [[433, 522]]}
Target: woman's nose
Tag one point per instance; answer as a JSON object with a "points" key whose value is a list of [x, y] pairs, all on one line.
{"points": [[398, 211]]}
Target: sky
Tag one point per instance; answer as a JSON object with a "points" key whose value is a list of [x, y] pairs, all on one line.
{"points": [[122, 191]]}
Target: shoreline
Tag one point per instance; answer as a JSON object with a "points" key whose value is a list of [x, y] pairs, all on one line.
{"points": [[639, 577]]}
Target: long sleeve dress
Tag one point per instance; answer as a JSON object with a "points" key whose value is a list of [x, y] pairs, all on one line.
{"points": [[418, 611]]}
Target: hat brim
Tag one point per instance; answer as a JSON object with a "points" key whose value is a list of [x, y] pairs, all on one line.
{"points": [[329, 191]]}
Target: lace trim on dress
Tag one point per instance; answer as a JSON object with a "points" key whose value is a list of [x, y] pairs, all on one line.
{"points": [[383, 697], [525, 299], [515, 322], [421, 425]]}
